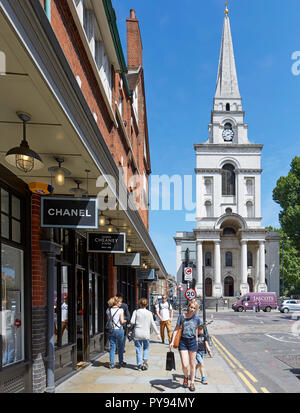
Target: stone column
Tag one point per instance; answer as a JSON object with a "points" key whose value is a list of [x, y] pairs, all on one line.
{"points": [[244, 287], [199, 286], [217, 287], [262, 282]]}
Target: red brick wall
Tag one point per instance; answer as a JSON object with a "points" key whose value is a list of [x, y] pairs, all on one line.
{"points": [[134, 42], [70, 41], [39, 274]]}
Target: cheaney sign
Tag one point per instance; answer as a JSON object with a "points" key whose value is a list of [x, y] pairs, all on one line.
{"points": [[106, 242], [69, 212]]}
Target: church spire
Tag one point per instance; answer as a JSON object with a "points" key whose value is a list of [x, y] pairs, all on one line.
{"points": [[227, 82]]}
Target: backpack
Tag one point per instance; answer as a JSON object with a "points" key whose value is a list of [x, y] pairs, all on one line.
{"points": [[109, 326], [160, 307]]}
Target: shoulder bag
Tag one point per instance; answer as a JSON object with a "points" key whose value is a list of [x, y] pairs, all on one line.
{"points": [[178, 335]]}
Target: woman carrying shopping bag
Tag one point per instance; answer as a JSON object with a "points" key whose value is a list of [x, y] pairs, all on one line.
{"points": [[187, 326], [142, 320]]}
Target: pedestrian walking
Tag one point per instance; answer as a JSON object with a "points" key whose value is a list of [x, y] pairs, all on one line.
{"points": [[116, 338], [164, 312], [188, 347], [258, 305], [142, 321], [203, 347], [124, 306]]}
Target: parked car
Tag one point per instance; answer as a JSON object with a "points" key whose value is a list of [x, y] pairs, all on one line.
{"points": [[289, 305], [268, 301]]}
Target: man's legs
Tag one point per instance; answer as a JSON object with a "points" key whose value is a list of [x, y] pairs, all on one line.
{"points": [[169, 330], [162, 331]]}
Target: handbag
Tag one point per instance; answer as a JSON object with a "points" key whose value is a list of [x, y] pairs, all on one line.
{"points": [[178, 335], [170, 361], [131, 333]]}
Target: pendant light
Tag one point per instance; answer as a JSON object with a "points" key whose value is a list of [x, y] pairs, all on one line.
{"points": [[59, 172], [110, 226], [129, 249], [78, 192], [22, 156], [102, 220]]}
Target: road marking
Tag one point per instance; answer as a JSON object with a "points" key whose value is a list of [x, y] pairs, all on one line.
{"points": [[252, 388], [236, 361], [264, 390], [224, 355], [281, 339]]}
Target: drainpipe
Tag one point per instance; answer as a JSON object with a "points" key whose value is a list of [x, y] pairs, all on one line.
{"points": [[51, 249], [48, 9]]}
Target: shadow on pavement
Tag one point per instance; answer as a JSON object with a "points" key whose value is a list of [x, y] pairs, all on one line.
{"points": [[171, 384], [105, 364]]}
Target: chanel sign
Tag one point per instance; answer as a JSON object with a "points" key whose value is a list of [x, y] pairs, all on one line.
{"points": [[69, 212]]}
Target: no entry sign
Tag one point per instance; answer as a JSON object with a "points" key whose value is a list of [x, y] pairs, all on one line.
{"points": [[188, 274], [190, 294]]}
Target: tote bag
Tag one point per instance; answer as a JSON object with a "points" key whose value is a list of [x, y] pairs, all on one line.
{"points": [[170, 361]]}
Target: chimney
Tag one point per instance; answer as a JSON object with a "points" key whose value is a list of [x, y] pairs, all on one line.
{"points": [[134, 42]]}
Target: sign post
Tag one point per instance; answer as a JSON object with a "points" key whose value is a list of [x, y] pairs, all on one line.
{"points": [[180, 289]]}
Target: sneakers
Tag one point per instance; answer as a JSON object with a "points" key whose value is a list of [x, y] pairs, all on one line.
{"points": [[111, 366], [192, 387], [145, 366], [203, 381], [186, 382], [139, 367]]}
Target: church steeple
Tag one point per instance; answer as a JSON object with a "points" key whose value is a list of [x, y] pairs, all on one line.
{"points": [[227, 91]]}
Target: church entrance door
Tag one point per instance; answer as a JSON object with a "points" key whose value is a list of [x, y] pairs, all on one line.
{"points": [[228, 287], [208, 287]]}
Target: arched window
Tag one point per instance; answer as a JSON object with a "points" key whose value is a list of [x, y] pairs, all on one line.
{"points": [[250, 211], [228, 259], [249, 259], [208, 259], [228, 180], [228, 211], [207, 184], [208, 209], [228, 107], [249, 187]]}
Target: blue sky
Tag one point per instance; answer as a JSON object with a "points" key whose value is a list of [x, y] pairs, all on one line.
{"points": [[181, 46]]}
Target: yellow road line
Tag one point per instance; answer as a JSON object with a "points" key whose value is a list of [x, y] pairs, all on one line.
{"points": [[247, 382], [264, 390], [236, 361], [224, 355]]}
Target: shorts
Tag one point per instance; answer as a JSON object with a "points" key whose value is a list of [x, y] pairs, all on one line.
{"points": [[189, 344], [200, 356]]}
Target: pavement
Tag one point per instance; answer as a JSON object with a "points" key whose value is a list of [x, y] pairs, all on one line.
{"points": [[96, 377]]}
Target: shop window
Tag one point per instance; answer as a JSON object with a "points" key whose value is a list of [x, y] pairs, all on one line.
{"points": [[61, 306], [12, 305]]}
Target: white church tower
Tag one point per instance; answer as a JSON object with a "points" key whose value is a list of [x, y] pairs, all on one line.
{"points": [[229, 240]]}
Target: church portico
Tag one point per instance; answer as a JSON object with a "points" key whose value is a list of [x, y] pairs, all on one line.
{"points": [[231, 245]]}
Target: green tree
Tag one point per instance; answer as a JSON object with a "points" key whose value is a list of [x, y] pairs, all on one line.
{"points": [[287, 195]]}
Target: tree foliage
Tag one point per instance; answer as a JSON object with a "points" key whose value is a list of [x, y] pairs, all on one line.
{"points": [[287, 195]]}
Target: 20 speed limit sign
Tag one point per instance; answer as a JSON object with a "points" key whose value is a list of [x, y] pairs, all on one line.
{"points": [[190, 294]]}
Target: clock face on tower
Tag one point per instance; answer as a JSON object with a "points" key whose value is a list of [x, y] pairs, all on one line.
{"points": [[228, 133]]}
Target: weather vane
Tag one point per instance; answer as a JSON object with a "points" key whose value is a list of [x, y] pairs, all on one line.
{"points": [[226, 9]]}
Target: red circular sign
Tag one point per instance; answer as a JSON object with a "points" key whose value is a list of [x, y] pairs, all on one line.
{"points": [[190, 294], [17, 322]]}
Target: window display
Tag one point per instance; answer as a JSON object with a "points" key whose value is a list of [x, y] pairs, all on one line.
{"points": [[12, 311]]}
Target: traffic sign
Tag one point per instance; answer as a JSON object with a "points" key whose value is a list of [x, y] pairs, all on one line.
{"points": [[188, 274], [180, 287], [190, 294]]}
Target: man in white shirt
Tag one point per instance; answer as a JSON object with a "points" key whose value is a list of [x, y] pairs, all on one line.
{"points": [[164, 311]]}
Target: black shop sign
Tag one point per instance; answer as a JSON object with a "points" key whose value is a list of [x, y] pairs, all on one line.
{"points": [[69, 212], [110, 242]]}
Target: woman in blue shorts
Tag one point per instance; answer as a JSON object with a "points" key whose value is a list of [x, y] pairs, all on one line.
{"points": [[188, 346]]}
